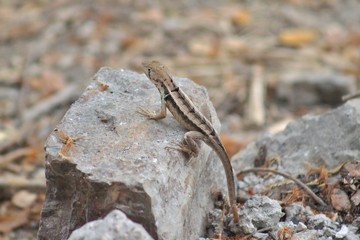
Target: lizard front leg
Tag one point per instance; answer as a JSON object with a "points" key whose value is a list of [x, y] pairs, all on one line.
{"points": [[155, 116]]}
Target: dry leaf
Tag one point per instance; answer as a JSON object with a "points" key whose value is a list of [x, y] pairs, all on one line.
{"points": [[356, 198], [48, 83], [129, 42], [297, 37], [204, 47], [231, 145], [241, 17], [23, 199], [285, 233], [353, 169], [12, 220], [340, 200]]}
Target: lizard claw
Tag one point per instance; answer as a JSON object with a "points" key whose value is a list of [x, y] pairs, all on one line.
{"points": [[145, 113], [182, 147]]}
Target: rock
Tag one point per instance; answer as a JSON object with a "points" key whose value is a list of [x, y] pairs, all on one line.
{"points": [[320, 221], [215, 220], [306, 235], [342, 232], [261, 236], [352, 236], [259, 212], [296, 213], [327, 139], [113, 227], [312, 88], [340, 200], [355, 226], [105, 156]]}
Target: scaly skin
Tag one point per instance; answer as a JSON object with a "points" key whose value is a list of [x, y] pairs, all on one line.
{"points": [[189, 116]]}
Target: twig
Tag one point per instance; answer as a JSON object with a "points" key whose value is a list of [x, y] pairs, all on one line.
{"points": [[15, 183], [351, 96], [301, 184], [24, 88], [12, 156], [67, 95], [255, 109]]}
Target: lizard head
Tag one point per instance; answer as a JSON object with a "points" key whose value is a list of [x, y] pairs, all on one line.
{"points": [[156, 72]]}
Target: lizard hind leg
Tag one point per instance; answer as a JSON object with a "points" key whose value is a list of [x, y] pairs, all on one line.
{"points": [[189, 145]]}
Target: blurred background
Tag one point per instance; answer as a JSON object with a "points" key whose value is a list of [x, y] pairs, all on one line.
{"points": [[265, 63]]}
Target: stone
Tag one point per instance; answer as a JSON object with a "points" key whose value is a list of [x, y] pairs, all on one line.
{"points": [[261, 236], [257, 213], [327, 139], [310, 88], [355, 226], [320, 221], [104, 155], [113, 227], [342, 232], [296, 213], [306, 235]]}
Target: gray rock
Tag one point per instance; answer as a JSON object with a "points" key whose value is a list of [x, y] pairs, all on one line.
{"points": [[306, 235], [296, 212], [257, 213], [215, 220], [342, 232], [320, 221], [119, 161], [314, 88], [261, 236], [356, 225], [352, 236], [115, 226], [245, 224], [327, 139]]}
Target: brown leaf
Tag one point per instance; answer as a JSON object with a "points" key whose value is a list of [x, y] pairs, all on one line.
{"points": [[353, 169], [23, 199], [294, 196], [48, 83], [297, 37], [340, 200], [231, 145], [12, 220], [241, 17], [356, 198]]}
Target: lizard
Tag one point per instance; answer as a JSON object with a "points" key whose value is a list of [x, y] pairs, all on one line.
{"points": [[189, 116]]}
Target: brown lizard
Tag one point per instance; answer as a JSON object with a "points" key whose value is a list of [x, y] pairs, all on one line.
{"points": [[189, 116]]}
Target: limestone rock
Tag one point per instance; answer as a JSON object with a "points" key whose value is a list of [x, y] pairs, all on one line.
{"points": [[105, 156], [114, 226], [259, 212], [327, 139]]}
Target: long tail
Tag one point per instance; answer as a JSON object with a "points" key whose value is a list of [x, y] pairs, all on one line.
{"points": [[224, 157]]}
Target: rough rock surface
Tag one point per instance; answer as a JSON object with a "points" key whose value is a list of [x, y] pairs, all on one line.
{"points": [[259, 212], [113, 227], [118, 160], [263, 218], [327, 139]]}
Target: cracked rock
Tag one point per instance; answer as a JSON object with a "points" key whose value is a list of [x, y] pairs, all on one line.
{"points": [[105, 156]]}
